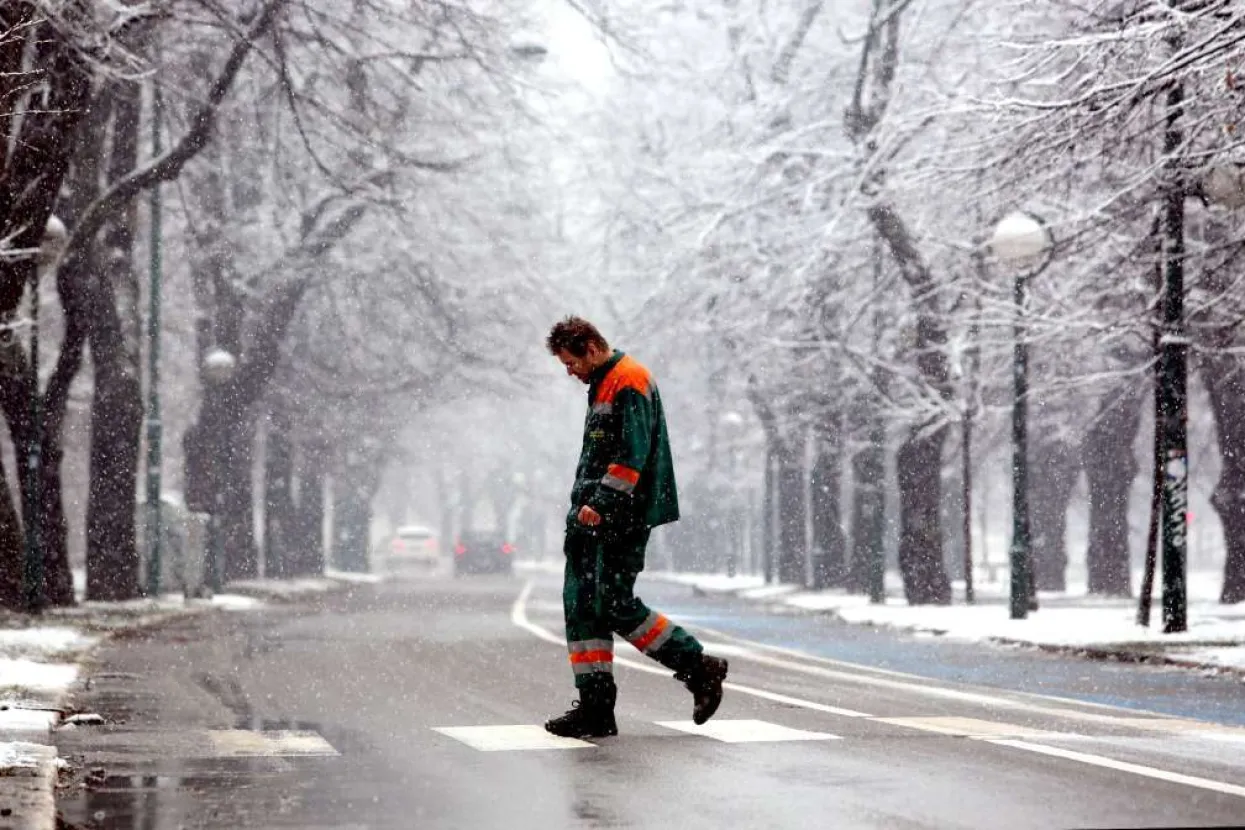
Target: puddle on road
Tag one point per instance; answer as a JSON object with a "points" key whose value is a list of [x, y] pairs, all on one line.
{"points": [[149, 793], [224, 792]]}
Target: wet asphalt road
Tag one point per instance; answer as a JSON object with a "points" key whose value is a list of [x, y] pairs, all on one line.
{"points": [[327, 715]]}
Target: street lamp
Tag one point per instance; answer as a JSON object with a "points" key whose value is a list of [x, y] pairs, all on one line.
{"points": [[218, 368], [51, 248], [155, 434], [1221, 184], [1024, 243]]}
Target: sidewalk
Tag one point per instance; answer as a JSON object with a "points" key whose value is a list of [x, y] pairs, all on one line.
{"points": [[1072, 622], [40, 659]]}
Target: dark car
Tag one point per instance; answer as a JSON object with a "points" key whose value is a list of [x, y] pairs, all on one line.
{"points": [[483, 552]]}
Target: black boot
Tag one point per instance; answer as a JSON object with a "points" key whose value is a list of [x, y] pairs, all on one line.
{"points": [[704, 681], [592, 716]]}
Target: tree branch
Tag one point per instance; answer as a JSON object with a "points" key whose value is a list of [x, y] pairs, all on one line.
{"points": [[782, 67], [264, 355], [169, 166]]}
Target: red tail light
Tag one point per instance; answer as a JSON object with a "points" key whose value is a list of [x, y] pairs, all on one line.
{"points": [[460, 549], [507, 548], [398, 546]]}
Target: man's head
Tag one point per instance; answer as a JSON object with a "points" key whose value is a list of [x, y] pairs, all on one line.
{"points": [[579, 346]]}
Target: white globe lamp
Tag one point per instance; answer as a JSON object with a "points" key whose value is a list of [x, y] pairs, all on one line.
{"points": [[219, 365], [55, 240], [1020, 239]]}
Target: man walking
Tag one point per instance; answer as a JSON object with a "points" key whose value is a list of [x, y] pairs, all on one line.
{"points": [[624, 487]]}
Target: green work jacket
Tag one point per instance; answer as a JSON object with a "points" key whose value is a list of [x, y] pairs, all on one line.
{"points": [[625, 469]]}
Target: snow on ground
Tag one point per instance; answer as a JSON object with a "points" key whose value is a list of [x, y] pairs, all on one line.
{"points": [[349, 576], [236, 602], [43, 640], [19, 758], [34, 676], [284, 588], [1072, 619]]}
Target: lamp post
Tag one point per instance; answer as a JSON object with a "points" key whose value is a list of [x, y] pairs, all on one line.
{"points": [[218, 367], [51, 248], [154, 426], [1023, 242], [1224, 185]]}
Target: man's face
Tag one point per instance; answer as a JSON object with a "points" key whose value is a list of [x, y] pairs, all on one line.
{"points": [[580, 367]]}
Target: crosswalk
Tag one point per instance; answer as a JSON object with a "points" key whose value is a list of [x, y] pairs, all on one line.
{"points": [[528, 737], [524, 737]]}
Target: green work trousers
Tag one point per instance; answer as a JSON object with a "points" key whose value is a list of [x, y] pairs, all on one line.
{"points": [[598, 601]]}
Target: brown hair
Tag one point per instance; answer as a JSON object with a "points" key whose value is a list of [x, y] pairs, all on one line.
{"points": [[573, 335]]}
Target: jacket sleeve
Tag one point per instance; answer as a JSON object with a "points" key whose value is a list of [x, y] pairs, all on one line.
{"points": [[613, 494]]}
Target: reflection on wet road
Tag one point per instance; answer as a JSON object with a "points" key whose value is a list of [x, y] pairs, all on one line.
{"points": [[419, 705]]}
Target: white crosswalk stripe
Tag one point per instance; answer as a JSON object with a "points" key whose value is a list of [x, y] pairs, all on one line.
{"points": [[965, 727], [530, 737], [279, 743], [741, 731], [747, 731], [509, 738]]}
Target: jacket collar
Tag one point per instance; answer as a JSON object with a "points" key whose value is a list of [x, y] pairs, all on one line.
{"points": [[601, 371]]}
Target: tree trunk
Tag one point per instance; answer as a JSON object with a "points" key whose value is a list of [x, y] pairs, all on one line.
{"points": [[237, 521], [920, 457], [279, 513], [117, 407], [791, 481], [829, 541], [769, 502], [12, 549], [309, 557], [74, 282], [58, 589], [1110, 468], [1053, 468], [1222, 376], [218, 452], [39, 146], [353, 491], [868, 509], [919, 466]]}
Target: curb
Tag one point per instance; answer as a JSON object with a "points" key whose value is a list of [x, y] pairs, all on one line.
{"points": [[1123, 655], [28, 727], [325, 586], [28, 792], [1102, 653]]}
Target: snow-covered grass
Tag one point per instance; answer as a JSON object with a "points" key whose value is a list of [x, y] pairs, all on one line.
{"points": [[1072, 619], [20, 758], [33, 676], [40, 661], [350, 576]]}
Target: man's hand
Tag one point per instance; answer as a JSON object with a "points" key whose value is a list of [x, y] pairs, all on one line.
{"points": [[588, 516]]}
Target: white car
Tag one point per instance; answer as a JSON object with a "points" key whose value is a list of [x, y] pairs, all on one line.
{"points": [[412, 548]]}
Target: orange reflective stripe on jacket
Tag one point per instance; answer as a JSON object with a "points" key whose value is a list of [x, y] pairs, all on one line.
{"points": [[621, 478], [653, 634], [591, 656]]}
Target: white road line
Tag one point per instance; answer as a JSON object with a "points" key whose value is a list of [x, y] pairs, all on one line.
{"points": [[510, 738], [1124, 766], [968, 727], [518, 615], [747, 731]]}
